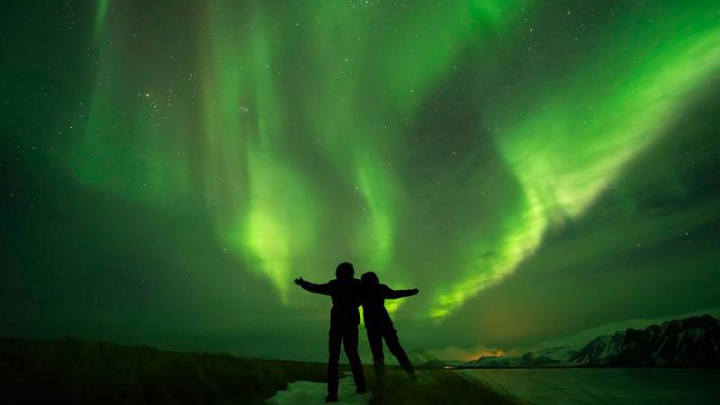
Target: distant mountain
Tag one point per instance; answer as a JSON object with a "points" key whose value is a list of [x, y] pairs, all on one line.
{"points": [[555, 357], [689, 342]]}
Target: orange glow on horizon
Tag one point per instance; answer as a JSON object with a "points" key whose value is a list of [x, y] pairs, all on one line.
{"points": [[484, 352]]}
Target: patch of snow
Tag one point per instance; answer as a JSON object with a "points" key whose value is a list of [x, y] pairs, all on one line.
{"points": [[313, 393], [555, 353], [696, 333]]}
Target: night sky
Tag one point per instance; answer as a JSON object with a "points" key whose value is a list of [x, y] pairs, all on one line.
{"points": [[543, 171]]}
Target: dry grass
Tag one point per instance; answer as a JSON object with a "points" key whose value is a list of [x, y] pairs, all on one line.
{"points": [[73, 372], [435, 387]]}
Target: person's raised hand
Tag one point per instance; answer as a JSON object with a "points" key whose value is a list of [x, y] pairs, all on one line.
{"points": [[299, 281]]}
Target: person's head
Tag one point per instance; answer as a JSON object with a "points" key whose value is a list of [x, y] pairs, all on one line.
{"points": [[344, 270], [370, 278]]}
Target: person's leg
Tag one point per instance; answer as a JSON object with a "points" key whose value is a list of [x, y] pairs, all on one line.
{"points": [[350, 343], [334, 341], [393, 344], [376, 347]]}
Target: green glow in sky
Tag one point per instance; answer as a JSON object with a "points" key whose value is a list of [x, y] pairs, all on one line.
{"points": [[575, 141], [100, 15], [294, 126]]}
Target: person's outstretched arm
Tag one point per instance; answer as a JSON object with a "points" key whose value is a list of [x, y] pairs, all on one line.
{"points": [[389, 293], [312, 287]]}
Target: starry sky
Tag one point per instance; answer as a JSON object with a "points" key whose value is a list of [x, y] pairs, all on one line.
{"points": [[539, 170]]}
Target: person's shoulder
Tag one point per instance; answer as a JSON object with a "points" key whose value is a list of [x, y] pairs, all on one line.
{"points": [[354, 283]]}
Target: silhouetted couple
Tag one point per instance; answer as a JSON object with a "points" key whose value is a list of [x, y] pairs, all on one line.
{"points": [[348, 293]]}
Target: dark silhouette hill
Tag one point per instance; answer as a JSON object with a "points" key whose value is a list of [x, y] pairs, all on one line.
{"points": [[76, 372]]}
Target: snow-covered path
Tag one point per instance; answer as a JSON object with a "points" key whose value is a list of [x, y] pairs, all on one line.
{"points": [[313, 393]]}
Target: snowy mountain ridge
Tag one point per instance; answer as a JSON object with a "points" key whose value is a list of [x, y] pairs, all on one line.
{"points": [[688, 342]]}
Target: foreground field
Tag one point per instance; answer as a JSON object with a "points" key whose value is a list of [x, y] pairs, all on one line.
{"points": [[38, 372]]}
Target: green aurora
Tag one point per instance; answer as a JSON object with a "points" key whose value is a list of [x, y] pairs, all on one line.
{"points": [[445, 145]]}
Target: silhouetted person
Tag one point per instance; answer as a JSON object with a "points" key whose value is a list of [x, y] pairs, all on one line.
{"points": [[345, 291], [379, 325]]}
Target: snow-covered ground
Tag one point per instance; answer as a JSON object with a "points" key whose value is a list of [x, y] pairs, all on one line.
{"points": [[603, 386], [313, 393]]}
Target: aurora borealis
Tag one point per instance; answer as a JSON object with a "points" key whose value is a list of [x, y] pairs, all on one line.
{"points": [[537, 169]]}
